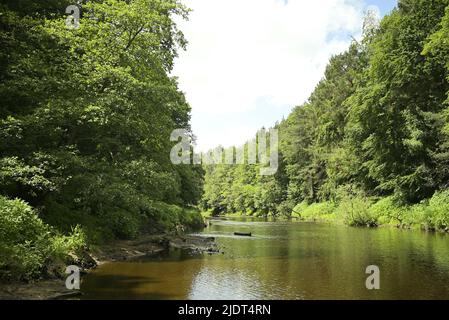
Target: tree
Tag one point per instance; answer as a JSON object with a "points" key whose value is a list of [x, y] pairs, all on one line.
{"points": [[87, 113], [394, 113]]}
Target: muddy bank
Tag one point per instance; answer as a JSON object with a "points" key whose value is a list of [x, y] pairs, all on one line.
{"points": [[150, 245]]}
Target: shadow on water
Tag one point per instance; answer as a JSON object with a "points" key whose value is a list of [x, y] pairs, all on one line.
{"points": [[124, 287]]}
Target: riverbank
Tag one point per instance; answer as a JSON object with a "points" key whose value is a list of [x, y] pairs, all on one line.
{"points": [[431, 215], [36, 244], [122, 250]]}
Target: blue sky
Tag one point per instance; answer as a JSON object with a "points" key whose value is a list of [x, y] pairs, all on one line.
{"points": [[249, 62], [385, 6]]}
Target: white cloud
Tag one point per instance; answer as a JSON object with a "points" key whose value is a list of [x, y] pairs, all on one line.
{"points": [[243, 51], [235, 135]]}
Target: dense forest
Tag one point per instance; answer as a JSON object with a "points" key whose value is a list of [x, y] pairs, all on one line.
{"points": [[85, 121], [371, 144]]}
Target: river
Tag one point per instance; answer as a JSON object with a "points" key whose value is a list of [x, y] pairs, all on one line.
{"points": [[285, 260]]}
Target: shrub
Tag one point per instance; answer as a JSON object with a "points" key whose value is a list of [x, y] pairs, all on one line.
{"points": [[388, 211], [355, 211], [191, 218], [24, 240], [285, 208], [432, 215], [439, 210], [173, 218], [63, 245], [123, 224], [65, 220], [420, 216], [28, 245], [18, 222]]}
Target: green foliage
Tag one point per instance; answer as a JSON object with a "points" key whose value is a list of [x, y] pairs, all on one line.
{"points": [[358, 210], [191, 219], [19, 222], [395, 113], [298, 209], [324, 211], [319, 211], [230, 189], [432, 214], [437, 48], [173, 218], [420, 217], [241, 188], [123, 224], [313, 137], [16, 177], [65, 220], [85, 123], [286, 208], [388, 211], [87, 113], [355, 211], [439, 207], [74, 243], [28, 245]]}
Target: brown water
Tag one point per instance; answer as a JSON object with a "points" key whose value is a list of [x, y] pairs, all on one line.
{"points": [[285, 260]]}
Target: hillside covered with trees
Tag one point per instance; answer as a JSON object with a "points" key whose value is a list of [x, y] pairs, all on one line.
{"points": [[371, 145], [85, 120]]}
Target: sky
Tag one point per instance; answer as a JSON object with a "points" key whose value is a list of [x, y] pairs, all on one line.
{"points": [[248, 63]]}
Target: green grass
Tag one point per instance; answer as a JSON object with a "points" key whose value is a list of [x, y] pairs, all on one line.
{"points": [[324, 211], [430, 215]]}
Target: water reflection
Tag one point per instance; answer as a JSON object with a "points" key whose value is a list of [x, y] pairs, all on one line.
{"points": [[286, 260], [216, 282]]}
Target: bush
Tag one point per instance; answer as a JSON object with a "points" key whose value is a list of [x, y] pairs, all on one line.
{"points": [[166, 217], [63, 245], [65, 220], [355, 211], [439, 210], [285, 209], [28, 245], [420, 216], [123, 224], [24, 240], [191, 218], [432, 215], [388, 211], [18, 222]]}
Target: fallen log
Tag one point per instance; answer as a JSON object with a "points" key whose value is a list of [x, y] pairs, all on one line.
{"points": [[243, 234]]}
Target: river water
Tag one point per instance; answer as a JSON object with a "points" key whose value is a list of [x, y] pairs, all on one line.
{"points": [[285, 260]]}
